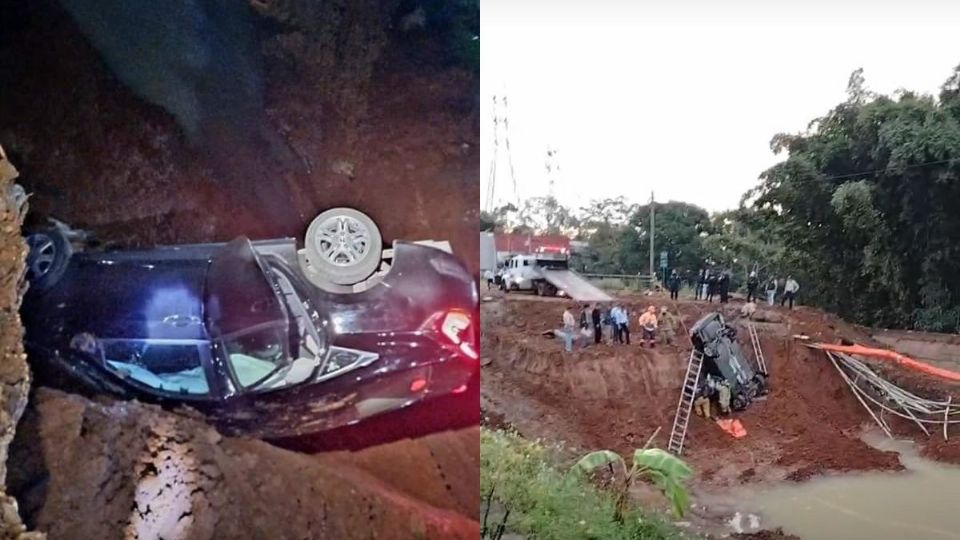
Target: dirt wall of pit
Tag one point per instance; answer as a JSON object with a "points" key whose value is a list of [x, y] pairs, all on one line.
{"points": [[14, 374], [387, 127], [128, 470], [614, 396]]}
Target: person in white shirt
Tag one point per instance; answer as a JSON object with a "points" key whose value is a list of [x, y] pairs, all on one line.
{"points": [[790, 289], [488, 277], [623, 325], [570, 330], [615, 322], [771, 291]]}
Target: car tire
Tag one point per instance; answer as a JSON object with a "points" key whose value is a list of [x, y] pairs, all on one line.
{"points": [[344, 245], [48, 256]]}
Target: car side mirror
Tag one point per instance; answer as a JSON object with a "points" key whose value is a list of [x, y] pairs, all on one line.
{"points": [[301, 370]]}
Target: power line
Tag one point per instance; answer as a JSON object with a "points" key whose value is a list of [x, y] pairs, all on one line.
{"points": [[889, 169]]}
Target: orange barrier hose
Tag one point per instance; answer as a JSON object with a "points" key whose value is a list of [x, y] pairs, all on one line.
{"points": [[894, 357]]}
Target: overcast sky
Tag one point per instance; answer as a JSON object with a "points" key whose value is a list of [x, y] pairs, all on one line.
{"points": [[683, 97]]}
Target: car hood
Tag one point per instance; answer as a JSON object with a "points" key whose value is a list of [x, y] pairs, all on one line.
{"points": [[123, 296]]}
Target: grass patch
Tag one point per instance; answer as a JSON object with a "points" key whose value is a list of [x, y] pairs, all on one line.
{"points": [[545, 502]]}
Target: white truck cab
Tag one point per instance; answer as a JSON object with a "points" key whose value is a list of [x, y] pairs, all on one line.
{"points": [[525, 272]]}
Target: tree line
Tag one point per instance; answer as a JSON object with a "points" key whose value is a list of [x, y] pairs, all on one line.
{"points": [[864, 211]]}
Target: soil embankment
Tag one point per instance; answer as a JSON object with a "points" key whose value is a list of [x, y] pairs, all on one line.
{"points": [[92, 470], [614, 397]]}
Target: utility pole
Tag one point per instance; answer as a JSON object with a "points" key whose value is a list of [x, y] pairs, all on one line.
{"points": [[652, 274]]}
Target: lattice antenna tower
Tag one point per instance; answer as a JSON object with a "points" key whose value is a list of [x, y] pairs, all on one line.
{"points": [[552, 164], [501, 134]]}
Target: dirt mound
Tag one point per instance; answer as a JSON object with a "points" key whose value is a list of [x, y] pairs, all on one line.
{"points": [[89, 470], [394, 136], [441, 469], [614, 396]]}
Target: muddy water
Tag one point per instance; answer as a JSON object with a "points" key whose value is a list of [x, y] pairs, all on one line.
{"points": [[919, 503]]}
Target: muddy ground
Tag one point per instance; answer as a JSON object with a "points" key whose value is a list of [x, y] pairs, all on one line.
{"points": [[614, 397]]}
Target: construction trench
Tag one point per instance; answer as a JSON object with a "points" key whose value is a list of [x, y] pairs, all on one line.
{"points": [[808, 442], [353, 104]]}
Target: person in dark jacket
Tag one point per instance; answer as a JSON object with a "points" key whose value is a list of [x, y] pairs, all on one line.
{"points": [[597, 324], [585, 317], [753, 283], [723, 286], [673, 283]]}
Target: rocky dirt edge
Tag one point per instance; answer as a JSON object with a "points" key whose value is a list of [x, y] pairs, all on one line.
{"points": [[610, 397], [92, 470], [14, 375]]}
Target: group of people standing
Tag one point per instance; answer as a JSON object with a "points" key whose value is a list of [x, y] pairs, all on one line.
{"points": [[711, 283], [786, 288], [611, 324]]}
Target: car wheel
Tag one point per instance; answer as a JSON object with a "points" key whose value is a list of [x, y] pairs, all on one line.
{"points": [[48, 254], [344, 245]]}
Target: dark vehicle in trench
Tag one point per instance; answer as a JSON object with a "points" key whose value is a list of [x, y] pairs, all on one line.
{"points": [[723, 358], [238, 332]]}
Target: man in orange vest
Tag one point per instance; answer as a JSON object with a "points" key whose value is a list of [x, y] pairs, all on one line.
{"points": [[648, 325]]}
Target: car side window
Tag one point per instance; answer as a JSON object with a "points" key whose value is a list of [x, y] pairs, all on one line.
{"points": [[526, 262], [169, 367], [255, 355]]}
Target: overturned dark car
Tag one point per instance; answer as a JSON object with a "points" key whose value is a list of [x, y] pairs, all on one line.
{"points": [[302, 347], [723, 358]]}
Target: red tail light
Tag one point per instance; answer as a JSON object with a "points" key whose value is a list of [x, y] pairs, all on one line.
{"points": [[460, 330]]}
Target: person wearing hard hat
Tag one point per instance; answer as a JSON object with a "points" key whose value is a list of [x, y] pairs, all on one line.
{"points": [[648, 325]]}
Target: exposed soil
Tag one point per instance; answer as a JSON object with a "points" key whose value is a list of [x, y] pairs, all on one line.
{"points": [[129, 470], [14, 375], [394, 136], [615, 396]]}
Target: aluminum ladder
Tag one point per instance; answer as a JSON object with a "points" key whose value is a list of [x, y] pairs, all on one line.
{"points": [[687, 393], [757, 351]]}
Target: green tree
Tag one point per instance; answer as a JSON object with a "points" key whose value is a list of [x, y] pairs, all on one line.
{"points": [[678, 225], [867, 207]]}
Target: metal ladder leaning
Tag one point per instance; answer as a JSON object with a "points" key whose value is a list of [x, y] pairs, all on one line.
{"points": [[757, 351], [687, 393]]}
